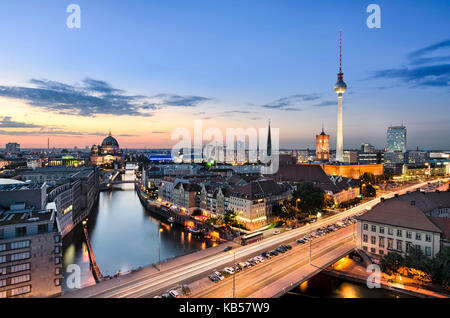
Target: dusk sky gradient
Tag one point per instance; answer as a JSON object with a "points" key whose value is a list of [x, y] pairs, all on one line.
{"points": [[144, 68]]}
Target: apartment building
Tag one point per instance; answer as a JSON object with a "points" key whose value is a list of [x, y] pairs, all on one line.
{"points": [[30, 252], [396, 224]]}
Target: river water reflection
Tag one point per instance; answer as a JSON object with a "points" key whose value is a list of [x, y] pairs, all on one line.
{"points": [[124, 236]]}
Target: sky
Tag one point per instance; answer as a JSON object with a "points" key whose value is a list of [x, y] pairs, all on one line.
{"points": [[144, 68]]}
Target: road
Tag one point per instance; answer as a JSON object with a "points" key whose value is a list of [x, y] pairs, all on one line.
{"points": [[158, 282]]}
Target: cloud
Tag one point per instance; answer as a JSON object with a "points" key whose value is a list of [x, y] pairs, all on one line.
{"points": [[326, 103], [93, 97], [422, 70], [429, 49], [159, 132], [290, 102], [430, 75], [6, 122]]}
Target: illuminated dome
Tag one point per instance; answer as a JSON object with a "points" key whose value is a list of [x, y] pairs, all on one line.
{"points": [[110, 141]]}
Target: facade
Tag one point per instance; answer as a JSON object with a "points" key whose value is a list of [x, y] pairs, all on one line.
{"points": [[323, 147], [354, 171], [417, 156], [370, 158], [12, 148], [350, 156], [185, 195], [396, 139], [30, 252], [367, 148], [415, 219], [106, 153], [49, 174]]}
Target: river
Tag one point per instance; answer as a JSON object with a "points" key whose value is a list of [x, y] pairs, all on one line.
{"points": [[124, 236]]}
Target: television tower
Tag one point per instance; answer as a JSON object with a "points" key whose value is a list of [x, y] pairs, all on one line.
{"points": [[340, 87]]}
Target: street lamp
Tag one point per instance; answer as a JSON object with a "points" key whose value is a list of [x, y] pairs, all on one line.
{"points": [[159, 248], [296, 202], [234, 273]]}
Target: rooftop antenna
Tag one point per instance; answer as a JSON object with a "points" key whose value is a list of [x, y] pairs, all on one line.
{"points": [[340, 51]]}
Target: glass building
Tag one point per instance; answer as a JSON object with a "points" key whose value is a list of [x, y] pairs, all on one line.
{"points": [[396, 139]]}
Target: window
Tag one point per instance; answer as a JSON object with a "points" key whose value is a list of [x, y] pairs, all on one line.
{"points": [[2, 235], [21, 290], [418, 236], [373, 240], [20, 279], [381, 239], [57, 282], [19, 256], [3, 259], [390, 244], [428, 237], [365, 248], [373, 228], [408, 246], [365, 238], [399, 233], [418, 247], [2, 294], [20, 244], [58, 271], [408, 234], [399, 245], [57, 238], [390, 231], [2, 247], [57, 250], [428, 251], [57, 260], [372, 250], [3, 271], [21, 231], [381, 230], [365, 227], [20, 268], [381, 252], [2, 282]]}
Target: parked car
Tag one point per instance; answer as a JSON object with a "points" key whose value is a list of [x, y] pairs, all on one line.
{"points": [[274, 253], [242, 265], [213, 278], [266, 255], [167, 295], [276, 232], [228, 248], [300, 241], [218, 275], [229, 270]]}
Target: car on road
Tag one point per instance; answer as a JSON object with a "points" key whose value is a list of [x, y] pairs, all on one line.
{"points": [[228, 248], [301, 241], [174, 293], [259, 258], [167, 295], [276, 232], [213, 278], [218, 275]]}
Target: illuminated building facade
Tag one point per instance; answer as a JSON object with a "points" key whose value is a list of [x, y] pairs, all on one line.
{"points": [[323, 147], [396, 139], [108, 152], [353, 171]]}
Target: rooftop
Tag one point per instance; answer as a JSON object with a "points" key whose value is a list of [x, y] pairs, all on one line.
{"points": [[399, 213]]}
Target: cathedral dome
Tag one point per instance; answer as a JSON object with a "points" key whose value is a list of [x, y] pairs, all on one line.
{"points": [[110, 141]]}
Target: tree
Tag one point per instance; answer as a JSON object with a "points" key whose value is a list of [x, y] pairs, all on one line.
{"points": [[368, 190], [229, 218], [329, 200], [312, 199], [367, 178], [391, 262]]}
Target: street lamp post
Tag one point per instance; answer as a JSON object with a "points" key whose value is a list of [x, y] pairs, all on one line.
{"points": [[159, 248], [234, 273], [310, 243]]}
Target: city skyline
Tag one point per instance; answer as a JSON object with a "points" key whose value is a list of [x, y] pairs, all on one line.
{"points": [[159, 69]]}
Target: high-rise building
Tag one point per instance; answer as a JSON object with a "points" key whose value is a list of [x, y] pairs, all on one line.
{"points": [[323, 146], [12, 147], [340, 87], [396, 139]]}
